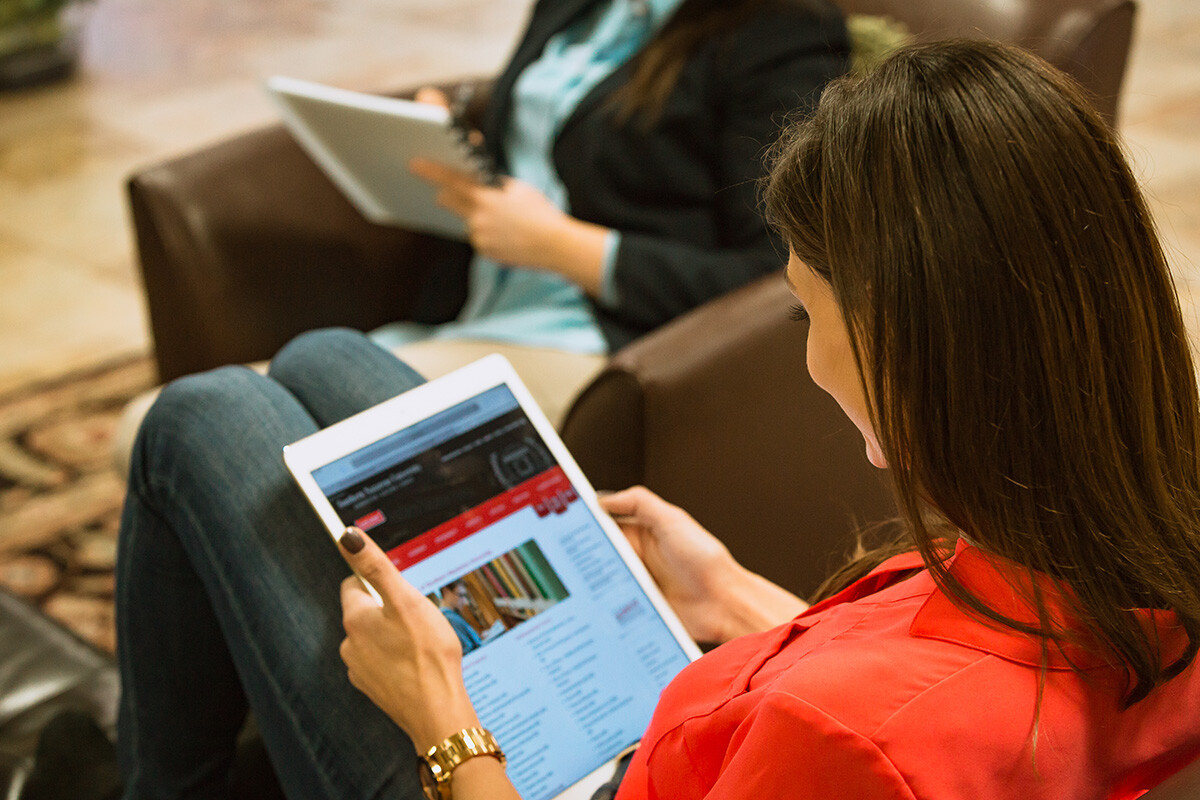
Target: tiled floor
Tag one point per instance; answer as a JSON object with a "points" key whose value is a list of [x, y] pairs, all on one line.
{"points": [[160, 79], [163, 78]]}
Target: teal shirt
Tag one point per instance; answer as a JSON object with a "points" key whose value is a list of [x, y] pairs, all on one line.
{"points": [[535, 307], [467, 636]]}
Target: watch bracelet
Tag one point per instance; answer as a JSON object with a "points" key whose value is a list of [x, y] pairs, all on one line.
{"points": [[460, 746]]}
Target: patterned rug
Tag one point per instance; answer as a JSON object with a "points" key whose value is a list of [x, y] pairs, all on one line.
{"points": [[60, 498]]}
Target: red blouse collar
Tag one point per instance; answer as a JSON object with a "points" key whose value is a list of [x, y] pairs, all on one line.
{"points": [[999, 582]]}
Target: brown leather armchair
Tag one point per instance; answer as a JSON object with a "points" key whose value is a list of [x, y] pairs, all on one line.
{"points": [[246, 243], [1183, 785]]}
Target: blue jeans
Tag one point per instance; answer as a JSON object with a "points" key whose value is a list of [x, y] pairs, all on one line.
{"points": [[228, 586]]}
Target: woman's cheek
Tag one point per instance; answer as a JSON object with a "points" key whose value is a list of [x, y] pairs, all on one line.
{"points": [[831, 366]]}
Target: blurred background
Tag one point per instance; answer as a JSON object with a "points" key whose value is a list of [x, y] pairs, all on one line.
{"points": [[158, 79]]}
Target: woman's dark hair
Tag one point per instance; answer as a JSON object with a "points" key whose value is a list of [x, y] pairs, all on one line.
{"points": [[1017, 332], [656, 68]]}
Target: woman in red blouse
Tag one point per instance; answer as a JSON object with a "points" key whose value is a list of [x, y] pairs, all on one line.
{"points": [[991, 307]]}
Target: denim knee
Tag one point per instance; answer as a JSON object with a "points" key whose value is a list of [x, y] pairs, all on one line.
{"points": [[199, 411], [321, 349], [337, 372]]}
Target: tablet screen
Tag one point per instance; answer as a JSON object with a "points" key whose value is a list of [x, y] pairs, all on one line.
{"points": [[564, 654]]}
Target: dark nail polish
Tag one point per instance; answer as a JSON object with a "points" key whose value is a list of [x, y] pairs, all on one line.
{"points": [[351, 541]]}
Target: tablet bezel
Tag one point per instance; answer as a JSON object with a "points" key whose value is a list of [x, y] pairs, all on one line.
{"points": [[411, 407], [385, 191]]}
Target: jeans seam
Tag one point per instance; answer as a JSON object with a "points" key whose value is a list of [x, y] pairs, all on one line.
{"points": [[298, 729], [332, 787], [128, 696], [147, 483]]}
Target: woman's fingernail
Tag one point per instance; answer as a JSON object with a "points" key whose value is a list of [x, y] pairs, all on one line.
{"points": [[352, 540]]}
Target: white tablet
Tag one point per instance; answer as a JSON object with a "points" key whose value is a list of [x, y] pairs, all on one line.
{"points": [[364, 142], [465, 484]]}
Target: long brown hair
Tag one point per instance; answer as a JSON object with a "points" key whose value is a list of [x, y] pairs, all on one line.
{"points": [[695, 23], [1017, 332]]}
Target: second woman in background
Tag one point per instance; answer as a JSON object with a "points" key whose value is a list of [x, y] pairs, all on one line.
{"points": [[633, 132]]}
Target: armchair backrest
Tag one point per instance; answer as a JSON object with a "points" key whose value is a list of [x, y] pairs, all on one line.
{"points": [[1088, 39]]}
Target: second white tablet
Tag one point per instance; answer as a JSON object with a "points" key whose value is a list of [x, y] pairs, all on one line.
{"points": [[364, 142]]}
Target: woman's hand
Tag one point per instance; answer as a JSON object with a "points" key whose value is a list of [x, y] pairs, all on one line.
{"points": [[716, 598], [403, 655], [515, 224], [433, 96], [689, 564]]}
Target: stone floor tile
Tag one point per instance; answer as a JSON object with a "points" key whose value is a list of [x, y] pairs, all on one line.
{"points": [[57, 318]]}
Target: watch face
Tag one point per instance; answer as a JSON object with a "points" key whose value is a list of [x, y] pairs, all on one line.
{"points": [[429, 784]]}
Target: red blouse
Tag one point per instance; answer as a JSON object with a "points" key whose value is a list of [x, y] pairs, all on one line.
{"points": [[888, 690]]}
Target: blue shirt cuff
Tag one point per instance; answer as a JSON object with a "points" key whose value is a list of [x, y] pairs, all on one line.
{"points": [[608, 282]]}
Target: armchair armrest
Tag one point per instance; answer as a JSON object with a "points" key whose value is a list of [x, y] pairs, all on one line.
{"points": [[716, 412], [245, 244]]}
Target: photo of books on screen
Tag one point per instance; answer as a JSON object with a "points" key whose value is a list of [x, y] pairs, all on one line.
{"points": [[499, 595]]}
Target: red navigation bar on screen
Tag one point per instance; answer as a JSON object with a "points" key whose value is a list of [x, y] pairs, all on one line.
{"points": [[548, 493]]}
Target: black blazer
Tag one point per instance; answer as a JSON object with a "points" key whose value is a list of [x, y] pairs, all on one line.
{"points": [[683, 194]]}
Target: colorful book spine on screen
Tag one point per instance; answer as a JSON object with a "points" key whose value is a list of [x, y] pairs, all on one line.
{"points": [[521, 574], [540, 571]]}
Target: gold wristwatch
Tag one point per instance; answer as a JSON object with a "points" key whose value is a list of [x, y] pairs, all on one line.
{"points": [[437, 765]]}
